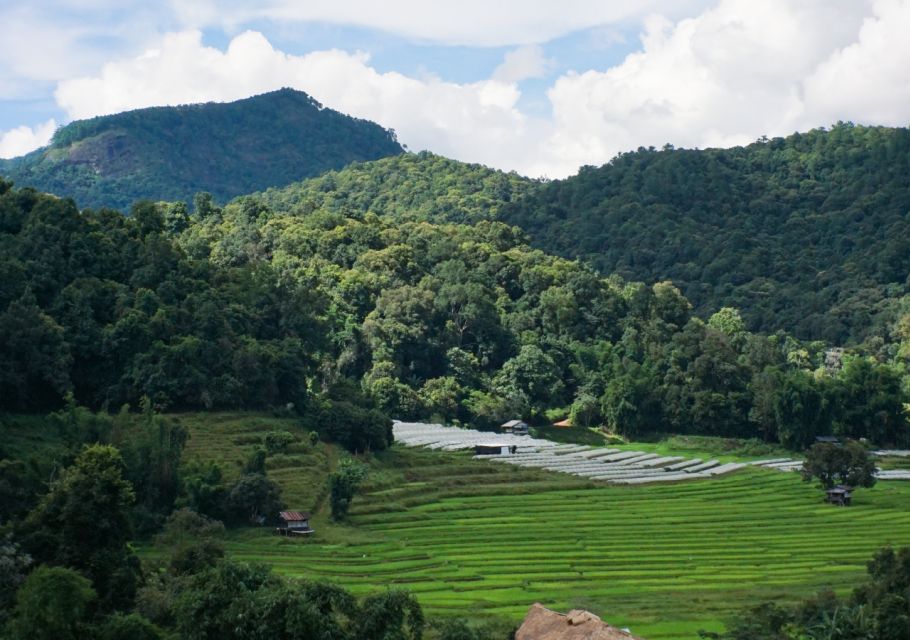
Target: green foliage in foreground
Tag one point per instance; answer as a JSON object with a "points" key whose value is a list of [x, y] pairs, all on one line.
{"points": [[223, 600], [249, 602], [807, 233], [879, 609], [171, 153], [53, 604], [83, 522]]}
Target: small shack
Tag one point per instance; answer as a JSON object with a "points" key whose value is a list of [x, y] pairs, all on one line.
{"points": [[515, 427], [493, 449], [839, 495], [294, 523]]}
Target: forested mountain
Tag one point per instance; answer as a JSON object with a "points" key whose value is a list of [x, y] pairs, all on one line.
{"points": [[809, 233], [227, 149], [248, 307], [406, 187]]}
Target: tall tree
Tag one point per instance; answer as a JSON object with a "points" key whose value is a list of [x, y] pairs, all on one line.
{"points": [[833, 464], [53, 604], [83, 523]]}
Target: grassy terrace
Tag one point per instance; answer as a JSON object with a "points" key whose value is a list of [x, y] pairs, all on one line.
{"points": [[481, 539], [475, 538]]}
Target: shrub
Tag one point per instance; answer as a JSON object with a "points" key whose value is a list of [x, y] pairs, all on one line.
{"points": [[278, 441], [128, 627], [354, 427]]}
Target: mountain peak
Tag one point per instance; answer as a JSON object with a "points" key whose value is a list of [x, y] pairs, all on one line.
{"points": [[225, 148]]}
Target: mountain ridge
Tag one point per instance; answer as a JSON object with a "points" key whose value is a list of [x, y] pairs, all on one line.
{"points": [[171, 153], [808, 233]]}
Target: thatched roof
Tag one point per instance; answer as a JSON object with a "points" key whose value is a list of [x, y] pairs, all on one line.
{"points": [[543, 624]]}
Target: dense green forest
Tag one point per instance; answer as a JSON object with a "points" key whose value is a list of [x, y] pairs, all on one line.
{"points": [[808, 233], [406, 187], [243, 306], [170, 153]]}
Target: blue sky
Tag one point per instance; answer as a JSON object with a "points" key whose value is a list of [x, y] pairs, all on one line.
{"points": [[532, 86]]}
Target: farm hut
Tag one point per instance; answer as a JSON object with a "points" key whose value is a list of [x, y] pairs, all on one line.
{"points": [[516, 427], [493, 449], [839, 495], [293, 523], [563, 424]]}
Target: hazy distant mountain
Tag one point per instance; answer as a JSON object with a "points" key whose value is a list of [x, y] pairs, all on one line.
{"points": [[171, 153]]}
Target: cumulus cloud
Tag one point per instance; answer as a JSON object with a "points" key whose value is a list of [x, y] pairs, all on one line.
{"points": [[869, 80], [522, 63], [21, 140], [44, 41], [477, 121], [738, 71]]}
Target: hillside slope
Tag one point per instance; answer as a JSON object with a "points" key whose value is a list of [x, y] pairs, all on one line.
{"points": [[227, 149], [414, 187], [809, 233]]}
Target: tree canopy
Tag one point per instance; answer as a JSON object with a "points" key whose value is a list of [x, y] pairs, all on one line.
{"points": [[352, 318], [806, 233]]}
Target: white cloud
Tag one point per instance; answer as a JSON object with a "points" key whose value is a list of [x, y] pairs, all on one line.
{"points": [[869, 80], [522, 63], [48, 40], [21, 140], [476, 121], [738, 71], [468, 22]]}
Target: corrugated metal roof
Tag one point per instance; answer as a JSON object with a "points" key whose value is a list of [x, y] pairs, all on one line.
{"points": [[294, 516]]}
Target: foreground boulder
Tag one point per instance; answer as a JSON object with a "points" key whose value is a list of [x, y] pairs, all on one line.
{"points": [[544, 624]]}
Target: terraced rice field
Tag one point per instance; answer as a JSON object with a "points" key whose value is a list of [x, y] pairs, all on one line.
{"points": [[472, 538]]}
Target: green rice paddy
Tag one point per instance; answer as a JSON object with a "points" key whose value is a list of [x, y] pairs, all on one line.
{"points": [[480, 539]]}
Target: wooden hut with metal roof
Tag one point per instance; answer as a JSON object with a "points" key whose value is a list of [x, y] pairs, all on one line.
{"points": [[293, 523], [840, 495], [515, 427]]}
